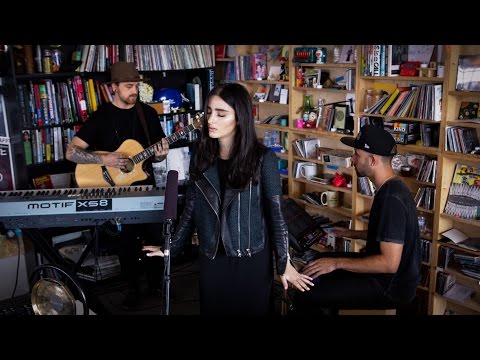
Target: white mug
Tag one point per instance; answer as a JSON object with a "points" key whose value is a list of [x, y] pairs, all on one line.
{"points": [[308, 170], [330, 198]]}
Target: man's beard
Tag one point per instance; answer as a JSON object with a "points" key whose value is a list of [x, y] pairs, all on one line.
{"points": [[359, 173], [132, 99]]}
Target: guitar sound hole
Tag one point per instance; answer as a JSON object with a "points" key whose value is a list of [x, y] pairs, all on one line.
{"points": [[129, 166]]}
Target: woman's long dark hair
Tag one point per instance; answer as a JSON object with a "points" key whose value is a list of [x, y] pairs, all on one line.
{"points": [[246, 151]]}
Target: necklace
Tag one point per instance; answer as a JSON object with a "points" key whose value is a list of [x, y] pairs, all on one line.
{"points": [[387, 180], [134, 118]]}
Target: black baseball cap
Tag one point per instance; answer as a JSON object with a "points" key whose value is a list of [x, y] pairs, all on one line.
{"points": [[372, 139]]}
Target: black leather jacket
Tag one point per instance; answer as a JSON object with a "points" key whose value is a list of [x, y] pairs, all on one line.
{"points": [[245, 220]]}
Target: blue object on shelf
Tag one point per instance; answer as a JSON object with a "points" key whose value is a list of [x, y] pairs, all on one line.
{"points": [[171, 94]]}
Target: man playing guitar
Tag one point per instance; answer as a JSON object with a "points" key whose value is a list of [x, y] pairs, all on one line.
{"points": [[106, 130]]}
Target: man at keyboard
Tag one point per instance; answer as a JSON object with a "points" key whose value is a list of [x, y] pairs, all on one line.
{"points": [[387, 274]]}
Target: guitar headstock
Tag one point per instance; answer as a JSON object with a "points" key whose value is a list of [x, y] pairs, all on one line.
{"points": [[197, 119]]}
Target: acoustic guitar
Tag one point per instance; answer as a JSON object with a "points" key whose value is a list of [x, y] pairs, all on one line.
{"points": [[96, 175]]}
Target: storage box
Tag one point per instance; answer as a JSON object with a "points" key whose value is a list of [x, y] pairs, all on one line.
{"points": [[405, 138], [335, 156], [158, 107], [401, 127]]}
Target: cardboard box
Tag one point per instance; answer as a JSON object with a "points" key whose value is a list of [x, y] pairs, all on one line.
{"points": [[158, 107], [402, 138], [335, 157], [401, 127]]}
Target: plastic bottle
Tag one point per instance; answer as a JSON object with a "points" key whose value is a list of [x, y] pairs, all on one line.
{"points": [[307, 107], [47, 61], [421, 222], [377, 96]]}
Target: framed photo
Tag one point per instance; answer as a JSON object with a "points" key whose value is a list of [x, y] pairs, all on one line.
{"points": [[340, 116], [468, 73], [346, 56]]}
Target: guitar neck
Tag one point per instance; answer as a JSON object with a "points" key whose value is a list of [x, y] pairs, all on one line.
{"points": [[150, 151], [180, 134]]}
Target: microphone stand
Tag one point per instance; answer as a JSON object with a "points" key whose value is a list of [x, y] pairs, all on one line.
{"points": [[171, 193], [167, 234]]}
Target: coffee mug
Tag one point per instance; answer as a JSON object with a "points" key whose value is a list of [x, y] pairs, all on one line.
{"points": [[330, 198], [308, 170]]}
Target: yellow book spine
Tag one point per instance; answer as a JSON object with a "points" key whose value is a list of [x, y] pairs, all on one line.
{"points": [[92, 94]]}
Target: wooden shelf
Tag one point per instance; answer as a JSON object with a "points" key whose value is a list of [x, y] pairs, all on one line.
{"points": [[316, 161], [318, 132], [272, 127], [404, 78], [338, 210], [396, 118], [464, 93], [460, 220], [461, 157], [463, 124], [326, 187], [327, 65], [340, 91]]}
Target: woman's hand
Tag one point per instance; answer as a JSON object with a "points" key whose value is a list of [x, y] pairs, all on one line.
{"points": [[153, 250], [292, 276]]}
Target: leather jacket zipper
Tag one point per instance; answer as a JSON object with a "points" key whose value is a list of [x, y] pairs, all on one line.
{"points": [[239, 251], [216, 213], [249, 253]]}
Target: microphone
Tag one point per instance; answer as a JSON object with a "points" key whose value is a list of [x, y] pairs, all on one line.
{"points": [[171, 192]]}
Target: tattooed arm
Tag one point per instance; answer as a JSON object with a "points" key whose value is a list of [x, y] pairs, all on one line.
{"points": [[78, 153]]}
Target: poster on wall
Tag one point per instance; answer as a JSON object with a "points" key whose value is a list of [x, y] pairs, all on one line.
{"points": [[7, 179]]}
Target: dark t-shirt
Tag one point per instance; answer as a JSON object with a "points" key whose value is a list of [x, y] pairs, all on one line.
{"points": [[108, 127], [393, 218]]}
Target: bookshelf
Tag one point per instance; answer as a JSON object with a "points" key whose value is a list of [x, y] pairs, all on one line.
{"points": [[440, 304], [276, 131], [415, 150], [55, 97], [355, 204], [313, 74]]}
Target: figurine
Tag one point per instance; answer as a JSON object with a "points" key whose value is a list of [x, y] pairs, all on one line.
{"points": [[283, 68]]}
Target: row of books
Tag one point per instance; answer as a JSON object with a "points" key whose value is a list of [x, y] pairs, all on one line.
{"points": [[426, 249], [170, 57], [425, 197], [306, 147], [384, 60], [46, 144], [444, 282], [428, 170], [416, 101], [251, 67], [98, 58], [461, 139], [65, 102], [469, 265], [366, 186]]}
